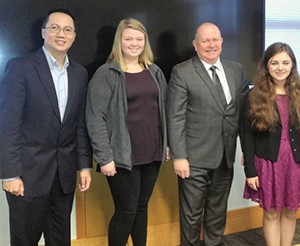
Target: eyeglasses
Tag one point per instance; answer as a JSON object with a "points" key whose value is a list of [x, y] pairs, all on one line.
{"points": [[56, 29]]}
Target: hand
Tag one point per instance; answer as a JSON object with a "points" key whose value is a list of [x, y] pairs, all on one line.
{"points": [[253, 183], [168, 154], [15, 187], [85, 180], [182, 168], [109, 169]]}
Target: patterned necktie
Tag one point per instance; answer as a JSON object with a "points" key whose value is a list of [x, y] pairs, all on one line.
{"points": [[218, 86]]}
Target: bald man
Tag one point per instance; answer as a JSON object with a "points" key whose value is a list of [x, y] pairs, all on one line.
{"points": [[202, 113]]}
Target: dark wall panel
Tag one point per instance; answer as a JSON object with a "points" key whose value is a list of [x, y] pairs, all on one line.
{"points": [[170, 23]]}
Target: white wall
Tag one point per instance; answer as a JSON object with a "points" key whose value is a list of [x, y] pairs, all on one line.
{"points": [[4, 229], [236, 200]]}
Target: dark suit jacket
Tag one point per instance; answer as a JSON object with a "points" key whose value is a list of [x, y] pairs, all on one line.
{"points": [[199, 128], [34, 142], [264, 144]]}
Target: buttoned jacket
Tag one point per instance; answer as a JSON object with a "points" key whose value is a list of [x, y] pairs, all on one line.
{"points": [[35, 143], [200, 129]]}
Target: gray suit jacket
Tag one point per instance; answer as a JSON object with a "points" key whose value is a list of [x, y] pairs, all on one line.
{"points": [[199, 128]]}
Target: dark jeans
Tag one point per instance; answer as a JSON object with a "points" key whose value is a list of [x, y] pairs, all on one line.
{"points": [[131, 191]]}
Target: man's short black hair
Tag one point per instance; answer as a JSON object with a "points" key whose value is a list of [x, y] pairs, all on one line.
{"points": [[58, 10]]}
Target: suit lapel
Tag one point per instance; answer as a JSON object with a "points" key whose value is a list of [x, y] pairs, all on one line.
{"points": [[230, 80], [72, 89], [44, 73], [201, 71]]}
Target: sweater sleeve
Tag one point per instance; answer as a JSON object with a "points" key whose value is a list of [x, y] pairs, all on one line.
{"points": [[98, 97]]}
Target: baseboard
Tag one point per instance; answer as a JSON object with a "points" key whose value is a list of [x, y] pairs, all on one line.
{"points": [[168, 234], [243, 219]]}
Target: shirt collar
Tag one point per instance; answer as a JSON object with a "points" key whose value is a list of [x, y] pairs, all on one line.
{"points": [[207, 66], [51, 60]]}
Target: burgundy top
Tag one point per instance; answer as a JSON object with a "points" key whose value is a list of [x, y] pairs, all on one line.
{"points": [[143, 119]]}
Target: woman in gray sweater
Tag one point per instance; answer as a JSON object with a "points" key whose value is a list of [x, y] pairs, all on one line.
{"points": [[126, 123]]}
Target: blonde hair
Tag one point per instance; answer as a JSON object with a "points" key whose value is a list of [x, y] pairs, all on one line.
{"points": [[116, 55]]}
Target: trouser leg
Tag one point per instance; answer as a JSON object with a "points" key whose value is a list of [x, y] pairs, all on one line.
{"points": [[149, 175], [192, 195], [57, 231], [125, 190], [214, 220], [26, 219]]}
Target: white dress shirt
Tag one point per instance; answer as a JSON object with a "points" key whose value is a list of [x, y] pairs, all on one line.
{"points": [[221, 74]]}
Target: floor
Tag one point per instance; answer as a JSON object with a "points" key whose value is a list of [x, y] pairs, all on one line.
{"points": [[247, 238], [254, 238]]}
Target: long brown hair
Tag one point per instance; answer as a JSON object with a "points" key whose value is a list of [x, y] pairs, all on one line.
{"points": [[263, 113]]}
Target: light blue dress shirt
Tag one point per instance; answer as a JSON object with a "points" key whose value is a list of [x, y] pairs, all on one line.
{"points": [[60, 79]]}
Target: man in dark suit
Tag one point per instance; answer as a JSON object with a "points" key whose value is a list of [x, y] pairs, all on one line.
{"points": [[43, 136], [202, 115]]}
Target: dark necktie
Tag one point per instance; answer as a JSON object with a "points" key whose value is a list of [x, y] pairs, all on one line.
{"points": [[218, 86]]}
